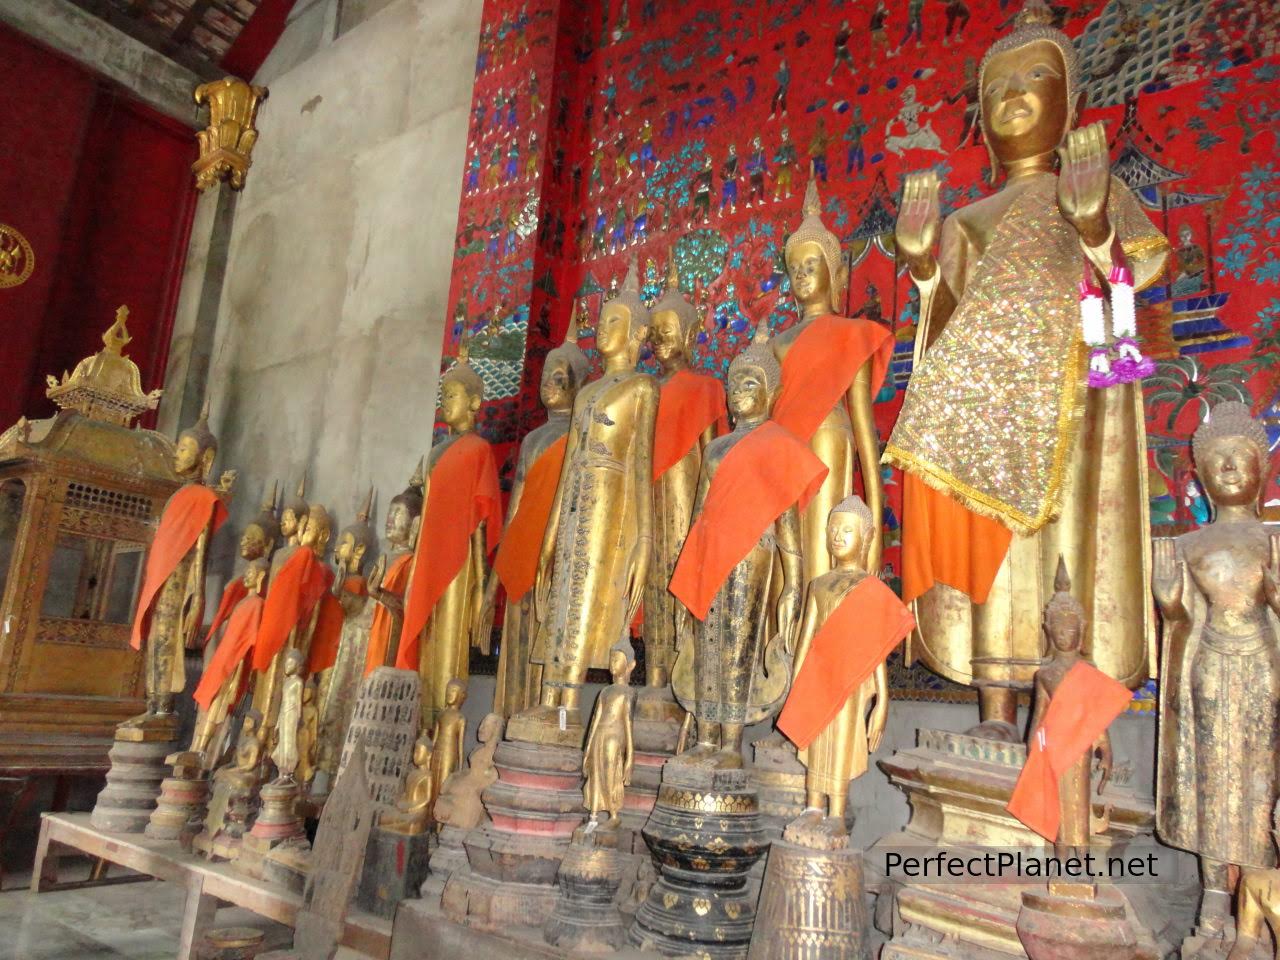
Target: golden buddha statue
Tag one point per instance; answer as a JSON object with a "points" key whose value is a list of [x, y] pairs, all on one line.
{"points": [[596, 550], [390, 575], [461, 523], [338, 685], [1009, 459], [729, 672], [293, 516], [285, 753], [832, 368], [840, 751], [226, 670], [538, 468], [412, 813], [609, 753], [448, 735], [690, 405], [1218, 589], [171, 603]]}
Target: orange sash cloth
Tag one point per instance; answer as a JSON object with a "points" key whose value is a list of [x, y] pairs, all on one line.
{"points": [[463, 493], [855, 639], [517, 561], [232, 593], [187, 514], [821, 366], [328, 633], [294, 592], [242, 630], [945, 542], [759, 478], [393, 581], [1086, 702], [688, 403]]}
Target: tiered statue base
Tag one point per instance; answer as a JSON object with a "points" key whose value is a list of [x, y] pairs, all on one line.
{"points": [[183, 802], [705, 835], [778, 776], [512, 861], [137, 769], [958, 786], [1081, 923], [395, 865], [277, 827], [448, 855], [585, 919], [812, 906]]}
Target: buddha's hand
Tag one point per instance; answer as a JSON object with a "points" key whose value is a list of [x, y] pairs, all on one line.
{"points": [[919, 221], [1271, 574], [788, 618], [542, 585], [374, 581], [875, 727], [1166, 576], [1105, 759], [1084, 183]]}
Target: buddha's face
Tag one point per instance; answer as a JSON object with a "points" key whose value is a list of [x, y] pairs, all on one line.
{"points": [[316, 532], [748, 393], [846, 537], [422, 753], [613, 332], [253, 544], [455, 693], [457, 404], [288, 522], [557, 388], [399, 525], [1065, 630], [1231, 471], [1024, 101], [618, 665], [810, 276], [346, 549], [186, 456], [253, 577], [667, 336]]}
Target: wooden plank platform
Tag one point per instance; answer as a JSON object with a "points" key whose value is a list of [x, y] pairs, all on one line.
{"points": [[208, 884]]}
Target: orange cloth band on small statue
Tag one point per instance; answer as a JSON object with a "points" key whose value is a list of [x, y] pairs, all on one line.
{"points": [[687, 404], [393, 581], [945, 542], [821, 366], [517, 561], [1086, 702], [294, 592], [187, 514], [463, 492], [233, 593], [242, 630], [759, 478], [328, 633], [855, 639]]}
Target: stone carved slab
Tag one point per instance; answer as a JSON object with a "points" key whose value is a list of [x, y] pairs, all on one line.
{"points": [[386, 720]]}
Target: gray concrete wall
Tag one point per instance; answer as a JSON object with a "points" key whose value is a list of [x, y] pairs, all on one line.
{"points": [[332, 313]]}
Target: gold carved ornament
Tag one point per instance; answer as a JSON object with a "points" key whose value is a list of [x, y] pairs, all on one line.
{"points": [[17, 258], [226, 144]]}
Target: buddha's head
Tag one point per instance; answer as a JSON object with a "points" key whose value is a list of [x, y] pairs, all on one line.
{"points": [[422, 752], [621, 663], [817, 272], [563, 372], [850, 532], [357, 540], [293, 513], [1230, 450], [624, 320], [1029, 86], [755, 377], [461, 392], [317, 530], [255, 575], [262, 532], [292, 662], [1064, 618], [490, 728], [196, 449], [455, 693], [405, 513], [673, 321]]}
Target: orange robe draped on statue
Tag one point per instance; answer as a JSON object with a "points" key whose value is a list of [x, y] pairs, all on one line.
{"points": [[233, 593], [516, 563], [821, 366], [761, 476], [463, 492], [855, 639], [189, 512], [688, 403], [242, 630], [294, 592], [1082, 708], [393, 581]]}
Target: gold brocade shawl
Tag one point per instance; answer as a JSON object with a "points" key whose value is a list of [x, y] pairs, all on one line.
{"points": [[991, 412]]}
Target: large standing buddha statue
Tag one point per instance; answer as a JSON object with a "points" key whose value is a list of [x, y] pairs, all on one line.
{"points": [[1009, 459]]}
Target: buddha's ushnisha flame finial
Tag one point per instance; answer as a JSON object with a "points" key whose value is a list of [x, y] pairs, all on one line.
{"points": [[629, 294], [367, 510], [812, 205], [673, 299], [419, 474], [1061, 580], [269, 499], [570, 352]]}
